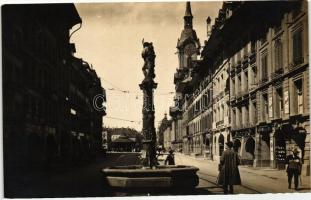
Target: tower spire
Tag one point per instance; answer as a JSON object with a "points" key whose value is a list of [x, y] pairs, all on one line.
{"points": [[188, 16], [188, 10]]}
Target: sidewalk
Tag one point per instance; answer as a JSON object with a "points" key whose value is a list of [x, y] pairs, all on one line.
{"points": [[263, 180]]}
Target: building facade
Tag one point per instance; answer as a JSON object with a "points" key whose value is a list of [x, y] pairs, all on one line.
{"points": [[40, 107], [250, 85]]}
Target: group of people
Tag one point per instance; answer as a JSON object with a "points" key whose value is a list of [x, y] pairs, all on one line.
{"points": [[229, 173]]}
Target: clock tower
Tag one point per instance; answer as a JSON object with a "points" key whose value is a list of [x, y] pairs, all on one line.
{"points": [[188, 45]]}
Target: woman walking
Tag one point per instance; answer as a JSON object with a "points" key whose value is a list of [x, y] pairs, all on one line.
{"points": [[229, 173]]}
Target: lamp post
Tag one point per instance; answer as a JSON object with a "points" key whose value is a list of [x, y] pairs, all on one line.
{"points": [[147, 86]]}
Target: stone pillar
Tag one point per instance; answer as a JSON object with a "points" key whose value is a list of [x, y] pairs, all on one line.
{"points": [[258, 158], [147, 86], [272, 151]]}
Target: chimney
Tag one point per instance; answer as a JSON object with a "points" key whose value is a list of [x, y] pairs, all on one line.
{"points": [[208, 27]]}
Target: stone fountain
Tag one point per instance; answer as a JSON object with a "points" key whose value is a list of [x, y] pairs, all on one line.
{"points": [[149, 175]]}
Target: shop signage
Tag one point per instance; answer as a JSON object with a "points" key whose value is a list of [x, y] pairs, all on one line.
{"points": [[280, 153]]}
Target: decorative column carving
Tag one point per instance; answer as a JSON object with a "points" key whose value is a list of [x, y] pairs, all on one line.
{"points": [[147, 86]]}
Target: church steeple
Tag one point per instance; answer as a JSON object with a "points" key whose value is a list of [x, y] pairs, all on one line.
{"points": [[188, 16]]}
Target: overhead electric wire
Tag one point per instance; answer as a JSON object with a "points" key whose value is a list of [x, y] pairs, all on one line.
{"points": [[118, 89], [128, 120]]}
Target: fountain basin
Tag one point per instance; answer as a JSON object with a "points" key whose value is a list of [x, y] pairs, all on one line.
{"points": [[136, 176]]}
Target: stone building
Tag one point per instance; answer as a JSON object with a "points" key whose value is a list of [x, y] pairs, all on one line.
{"points": [[168, 136], [39, 74], [220, 122], [254, 72], [188, 46], [165, 134], [85, 117]]}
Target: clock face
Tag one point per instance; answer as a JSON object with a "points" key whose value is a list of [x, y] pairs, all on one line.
{"points": [[190, 49]]}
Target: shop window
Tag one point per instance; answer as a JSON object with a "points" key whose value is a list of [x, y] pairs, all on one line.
{"points": [[297, 47]]}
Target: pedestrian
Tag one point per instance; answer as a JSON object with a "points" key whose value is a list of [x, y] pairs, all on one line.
{"points": [[293, 162], [229, 173], [170, 158]]}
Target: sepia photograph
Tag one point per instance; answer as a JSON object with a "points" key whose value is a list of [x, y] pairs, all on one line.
{"points": [[131, 99]]}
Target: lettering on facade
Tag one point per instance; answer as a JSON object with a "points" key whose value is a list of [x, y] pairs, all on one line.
{"points": [[280, 154]]}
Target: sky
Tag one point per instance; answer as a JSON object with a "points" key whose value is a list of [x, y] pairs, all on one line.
{"points": [[111, 40]]}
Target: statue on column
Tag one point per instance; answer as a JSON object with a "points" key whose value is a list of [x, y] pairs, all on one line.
{"points": [[149, 56], [148, 85]]}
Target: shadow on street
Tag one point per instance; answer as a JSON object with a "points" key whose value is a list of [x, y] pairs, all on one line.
{"points": [[81, 180]]}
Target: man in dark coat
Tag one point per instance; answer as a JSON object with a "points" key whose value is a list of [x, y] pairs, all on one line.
{"points": [[170, 158], [293, 168], [229, 173]]}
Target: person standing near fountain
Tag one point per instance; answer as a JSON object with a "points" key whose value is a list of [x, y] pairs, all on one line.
{"points": [[170, 158]]}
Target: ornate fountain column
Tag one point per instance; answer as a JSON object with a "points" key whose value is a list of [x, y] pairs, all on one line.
{"points": [[147, 86]]}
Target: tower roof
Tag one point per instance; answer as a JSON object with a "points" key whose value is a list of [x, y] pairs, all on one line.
{"points": [[188, 34], [188, 12]]}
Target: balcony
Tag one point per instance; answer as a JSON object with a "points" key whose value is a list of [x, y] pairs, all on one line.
{"points": [[244, 92], [277, 74], [180, 75], [252, 59], [232, 70], [175, 111], [263, 81], [253, 86], [297, 63], [239, 94], [245, 59]]}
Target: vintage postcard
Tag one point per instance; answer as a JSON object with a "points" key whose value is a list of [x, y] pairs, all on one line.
{"points": [[110, 99]]}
